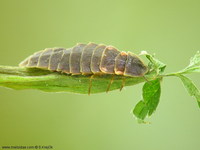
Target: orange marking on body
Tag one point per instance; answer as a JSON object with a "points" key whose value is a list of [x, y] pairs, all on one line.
{"points": [[123, 53]]}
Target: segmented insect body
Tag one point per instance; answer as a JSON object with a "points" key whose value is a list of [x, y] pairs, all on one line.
{"points": [[87, 59]]}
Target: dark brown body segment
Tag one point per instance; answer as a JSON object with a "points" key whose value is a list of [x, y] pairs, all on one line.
{"points": [[55, 58], [63, 66], [75, 57], [96, 58], [120, 62], [86, 58], [108, 60], [44, 58], [33, 61], [134, 66]]}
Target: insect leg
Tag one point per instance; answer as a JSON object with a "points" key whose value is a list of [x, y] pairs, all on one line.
{"points": [[111, 81], [123, 83], [90, 84]]}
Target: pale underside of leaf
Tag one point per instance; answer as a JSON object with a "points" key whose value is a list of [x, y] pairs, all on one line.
{"points": [[194, 65], [190, 87]]}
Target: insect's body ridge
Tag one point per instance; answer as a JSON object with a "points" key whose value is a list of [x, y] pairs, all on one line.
{"points": [[87, 59]]}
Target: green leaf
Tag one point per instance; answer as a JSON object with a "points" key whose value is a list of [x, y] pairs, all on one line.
{"points": [[151, 96], [190, 87], [155, 64], [141, 110], [23, 78], [194, 65]]}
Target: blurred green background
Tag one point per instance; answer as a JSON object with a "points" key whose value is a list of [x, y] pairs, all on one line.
{"points": [[171, 29]]}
